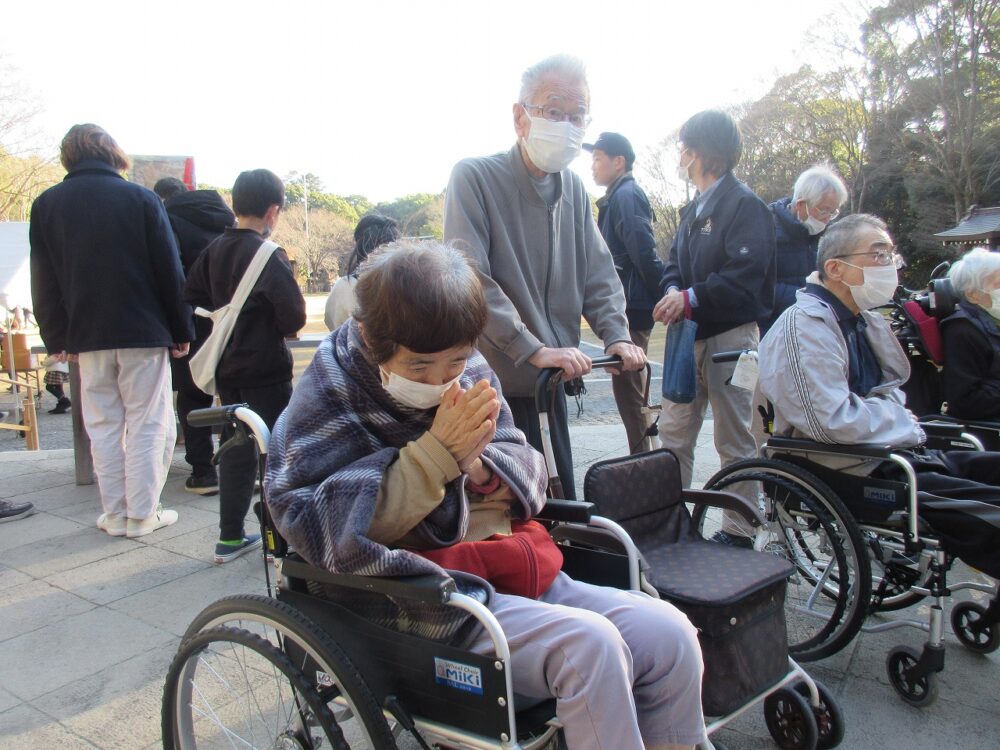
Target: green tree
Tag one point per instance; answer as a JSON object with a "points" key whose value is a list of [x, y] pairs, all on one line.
{"points": [[419, 214]]}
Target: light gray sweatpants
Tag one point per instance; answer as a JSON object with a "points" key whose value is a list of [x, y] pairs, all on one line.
{"points": [[129, 414], [731, 406], [625, 668]]}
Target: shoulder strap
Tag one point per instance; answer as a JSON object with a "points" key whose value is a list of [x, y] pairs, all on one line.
{"points": [[250, 276]]}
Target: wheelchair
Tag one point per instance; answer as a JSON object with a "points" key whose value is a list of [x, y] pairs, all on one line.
{"points": [[301, 667], [859, 546]]}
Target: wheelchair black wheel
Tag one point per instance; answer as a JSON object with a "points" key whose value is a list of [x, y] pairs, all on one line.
{"points": [[829, 718], [790, 720], [828, 596], [316, 654], [972, 632], [894, 573], [917, 691], [228, 687]]}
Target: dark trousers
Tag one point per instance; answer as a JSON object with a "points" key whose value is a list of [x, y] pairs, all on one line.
{"points": [[198, 445], [238, 468], [526, 419], [960, 499]]}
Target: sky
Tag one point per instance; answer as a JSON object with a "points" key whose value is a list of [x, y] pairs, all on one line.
{"points": [[382, 97]]}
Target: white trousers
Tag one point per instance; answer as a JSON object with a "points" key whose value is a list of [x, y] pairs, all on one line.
{"points": [[128, 412], [625, 669], [731, 406]]}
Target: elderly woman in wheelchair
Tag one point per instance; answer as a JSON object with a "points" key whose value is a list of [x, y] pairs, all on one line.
{"points": [[971, 338], [845, 443], [397, 456]]}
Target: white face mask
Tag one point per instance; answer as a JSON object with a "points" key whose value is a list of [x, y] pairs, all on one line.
{"points": [[684, 170], [994, 308], [878, 287], [551, 146], [411, 393], [813, 225]]}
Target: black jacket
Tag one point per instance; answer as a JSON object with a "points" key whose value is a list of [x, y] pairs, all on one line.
{"points": [[726, 255], [105, 271], [625, 220], [971, 338], [795, 258], [256, 355], [197, 217]]}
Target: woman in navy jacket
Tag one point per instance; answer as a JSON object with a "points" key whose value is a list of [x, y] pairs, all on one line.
{"points": [[106, 285]]}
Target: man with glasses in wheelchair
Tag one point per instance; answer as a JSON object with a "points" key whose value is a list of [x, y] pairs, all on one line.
{"points": [[832, 369], [397, 455]]}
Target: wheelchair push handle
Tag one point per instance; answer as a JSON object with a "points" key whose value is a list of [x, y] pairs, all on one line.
{"points": [[244, 421], [213, 416], [550, 377]]}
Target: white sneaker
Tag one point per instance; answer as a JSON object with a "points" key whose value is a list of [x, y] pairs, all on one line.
{"points": [[143, 526], [113, 523]]}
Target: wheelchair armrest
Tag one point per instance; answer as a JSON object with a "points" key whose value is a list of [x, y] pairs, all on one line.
{"points": [[432, 589], [936, 428], [726, 501], [800, 445], [570, 511]]}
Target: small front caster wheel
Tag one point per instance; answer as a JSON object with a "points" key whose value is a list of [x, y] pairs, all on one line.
{"points": [[917, 691], [829, 718], [790, 720], [975, 635]]}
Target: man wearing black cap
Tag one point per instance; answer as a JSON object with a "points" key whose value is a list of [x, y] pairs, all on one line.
{"points": [[625, 220]]}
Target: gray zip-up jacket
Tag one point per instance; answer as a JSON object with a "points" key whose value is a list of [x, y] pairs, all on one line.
{"points": [[803, 363], [542, 267]]}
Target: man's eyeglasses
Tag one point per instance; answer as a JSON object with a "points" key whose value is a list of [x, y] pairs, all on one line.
{"points": [[825, 214], [884, 257], [554, 114]]}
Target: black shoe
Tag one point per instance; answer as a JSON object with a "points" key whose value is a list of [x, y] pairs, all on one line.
{"points": [[12, 511], [62, 406], [206, 485], [732, 540]]}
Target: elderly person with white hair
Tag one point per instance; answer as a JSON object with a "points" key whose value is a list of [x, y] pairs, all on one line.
{"points": [[972, 338], [799, 222], [524, 219]]}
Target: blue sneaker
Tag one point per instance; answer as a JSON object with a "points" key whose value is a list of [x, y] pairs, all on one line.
{"points": [[226, 552]]}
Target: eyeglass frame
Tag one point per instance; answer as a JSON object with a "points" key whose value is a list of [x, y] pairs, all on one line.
{"points": [[585, 121], [890, 256]]}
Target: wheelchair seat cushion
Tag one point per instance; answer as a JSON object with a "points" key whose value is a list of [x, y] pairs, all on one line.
{"points": [[706, 573]]}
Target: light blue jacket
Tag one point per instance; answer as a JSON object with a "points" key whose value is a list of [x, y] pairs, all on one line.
{"points": [[804, 366]]}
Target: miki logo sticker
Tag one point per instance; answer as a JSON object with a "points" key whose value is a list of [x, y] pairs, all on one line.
{"points": [[457, 675]]}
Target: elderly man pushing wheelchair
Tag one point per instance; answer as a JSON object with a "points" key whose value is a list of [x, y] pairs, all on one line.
{"points": [[832, 368]]}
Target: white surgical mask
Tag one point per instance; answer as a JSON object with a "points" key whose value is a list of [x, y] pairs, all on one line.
{"points": [[878, 287], [813, 225], [994, 308], [684, 170], [551, 146], [411, 393]]}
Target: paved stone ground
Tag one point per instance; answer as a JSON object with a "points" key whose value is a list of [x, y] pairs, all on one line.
{"points": [[89, 623]]}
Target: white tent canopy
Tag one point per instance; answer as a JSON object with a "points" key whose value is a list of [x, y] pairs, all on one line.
{"points": [[15, 275]]}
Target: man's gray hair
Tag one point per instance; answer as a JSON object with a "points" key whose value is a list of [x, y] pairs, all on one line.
{"points": [[841, 238], [565, 67], [816, 182], [969, 274]]}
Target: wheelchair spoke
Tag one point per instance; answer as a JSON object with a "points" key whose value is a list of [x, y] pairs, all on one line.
{"points": [[298, 689]]}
